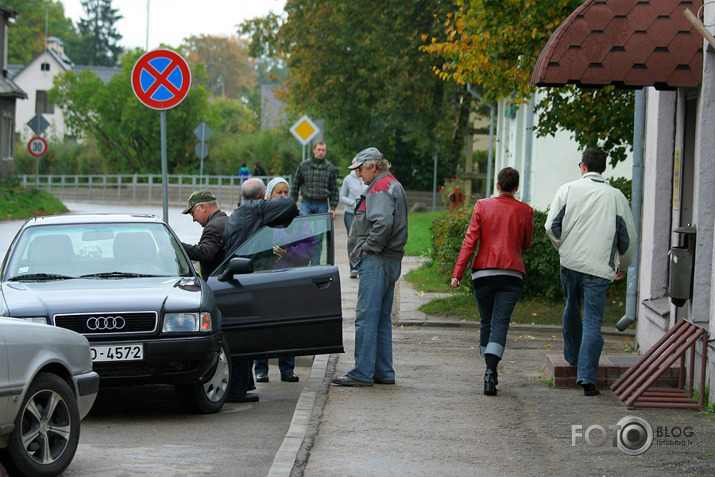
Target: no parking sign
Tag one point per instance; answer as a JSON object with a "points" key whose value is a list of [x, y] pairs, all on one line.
{"points": [[161, 79]]}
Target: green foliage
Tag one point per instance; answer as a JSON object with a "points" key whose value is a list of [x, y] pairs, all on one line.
{"points": [[419, 237], [98, 41], [622, 184], [26, 38], [600, 117], [447, 236], [20, 203], [127, 133], [357, 66], [63, 158]]}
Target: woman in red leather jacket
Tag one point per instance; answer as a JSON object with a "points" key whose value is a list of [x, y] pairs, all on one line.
{"points": [[503, 227]]}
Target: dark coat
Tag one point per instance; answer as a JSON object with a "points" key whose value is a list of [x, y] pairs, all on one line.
{"points": [[208, 251], [251, 215]]}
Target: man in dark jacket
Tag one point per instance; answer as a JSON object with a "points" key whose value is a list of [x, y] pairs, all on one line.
{"points": [[252, 213], [204, 210]]}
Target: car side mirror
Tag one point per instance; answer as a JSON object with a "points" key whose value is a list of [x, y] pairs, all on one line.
{"points": [[237, 266]]}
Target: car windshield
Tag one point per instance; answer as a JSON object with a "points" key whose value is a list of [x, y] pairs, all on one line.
{"points": [[101, 250]]}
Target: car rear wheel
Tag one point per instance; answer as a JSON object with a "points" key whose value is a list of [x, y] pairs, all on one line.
{"points": [[208, 397], [46, 429]]}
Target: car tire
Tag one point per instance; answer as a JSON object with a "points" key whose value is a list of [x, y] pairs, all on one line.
{"points": [[210, 395], [49, 416]]}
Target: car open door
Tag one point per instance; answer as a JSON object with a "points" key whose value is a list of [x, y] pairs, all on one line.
{"points": [[279, 292]]}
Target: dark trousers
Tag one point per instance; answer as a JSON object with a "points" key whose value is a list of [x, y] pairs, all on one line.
{"points": [[241, 375]]}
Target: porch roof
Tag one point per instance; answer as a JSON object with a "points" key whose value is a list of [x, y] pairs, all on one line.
{"points": [[626, 43]]}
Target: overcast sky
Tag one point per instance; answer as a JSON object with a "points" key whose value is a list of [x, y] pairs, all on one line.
{"points": [[170, 21]]}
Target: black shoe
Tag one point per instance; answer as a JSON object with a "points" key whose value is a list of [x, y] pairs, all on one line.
{"points": [[350, 381], [290, 377], [490, 385], [384, 381], [261, 378], [589, 389], [252, 387], [248, 397]]}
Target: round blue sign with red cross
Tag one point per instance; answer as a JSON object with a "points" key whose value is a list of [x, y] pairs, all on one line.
{"points": [[161, 79]]}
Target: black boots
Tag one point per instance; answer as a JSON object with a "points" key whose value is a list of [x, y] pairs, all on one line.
{"points": [[490, 382]]}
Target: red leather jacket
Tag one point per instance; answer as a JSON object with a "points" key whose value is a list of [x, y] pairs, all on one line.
{"points": [[503, 227]]}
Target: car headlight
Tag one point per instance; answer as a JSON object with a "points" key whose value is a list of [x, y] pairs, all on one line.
{"points": [[183, 322], [36, 319]]}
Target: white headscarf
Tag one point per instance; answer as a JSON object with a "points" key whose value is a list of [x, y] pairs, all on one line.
{"points": [[274, 182]]}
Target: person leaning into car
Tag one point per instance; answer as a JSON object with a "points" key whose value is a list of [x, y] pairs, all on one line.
{"points": [[252, 213], [204, 210]]}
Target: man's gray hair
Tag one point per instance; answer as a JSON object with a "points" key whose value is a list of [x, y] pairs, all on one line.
{"points": [[381, 164], [253, 189]]}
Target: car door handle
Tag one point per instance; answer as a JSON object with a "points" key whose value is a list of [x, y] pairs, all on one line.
{"points": [[323, 282]]}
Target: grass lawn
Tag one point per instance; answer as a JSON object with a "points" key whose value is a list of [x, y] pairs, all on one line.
{"points": [[18, 203], [462, 303]]}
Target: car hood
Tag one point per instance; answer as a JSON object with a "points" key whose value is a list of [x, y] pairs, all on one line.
{"points": [[47, 298]]}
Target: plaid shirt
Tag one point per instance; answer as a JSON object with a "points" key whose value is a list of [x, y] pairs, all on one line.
{"points": [[317, 182]]}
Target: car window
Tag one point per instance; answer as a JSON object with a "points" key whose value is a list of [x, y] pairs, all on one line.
{"points": [[305, 242], [78, 250]]}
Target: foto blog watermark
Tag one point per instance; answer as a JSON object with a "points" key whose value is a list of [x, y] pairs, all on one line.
{"points": [[632, 435]]}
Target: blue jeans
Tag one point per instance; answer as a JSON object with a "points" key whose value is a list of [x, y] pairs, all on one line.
{"points": [[495, 303], [348, 218], [582, 340], [307, 208], [286, 365], [373, 325]]}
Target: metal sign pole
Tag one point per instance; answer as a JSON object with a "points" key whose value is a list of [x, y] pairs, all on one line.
{"points": [[164, 167]]}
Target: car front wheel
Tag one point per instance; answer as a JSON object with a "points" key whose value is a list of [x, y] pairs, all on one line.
{"points": [[208, 397], [46, 429]]}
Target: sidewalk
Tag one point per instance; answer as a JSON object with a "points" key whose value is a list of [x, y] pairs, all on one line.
{"points": [[436, 420]]}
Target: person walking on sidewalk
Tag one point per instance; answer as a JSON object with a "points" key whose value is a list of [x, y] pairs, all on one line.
{"points": [[351, 190], [316, 181], [503, 227], [376, 245], [591, 225]]}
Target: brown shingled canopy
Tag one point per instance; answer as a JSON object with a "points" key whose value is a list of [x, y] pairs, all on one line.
{"points": [[626, 43]]}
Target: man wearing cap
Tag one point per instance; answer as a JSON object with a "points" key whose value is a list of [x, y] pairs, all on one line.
{"points": [[376, 245], [204, 210]]}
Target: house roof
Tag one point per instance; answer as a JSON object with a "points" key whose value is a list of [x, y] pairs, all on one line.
{"points": [[626, 43], [105, 73], [8, 89]]}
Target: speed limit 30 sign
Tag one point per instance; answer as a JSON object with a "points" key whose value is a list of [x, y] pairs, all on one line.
{"points": [[37, 146]]}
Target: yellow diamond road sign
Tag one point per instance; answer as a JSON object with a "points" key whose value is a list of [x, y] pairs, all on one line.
{"points": [[304, 130]]}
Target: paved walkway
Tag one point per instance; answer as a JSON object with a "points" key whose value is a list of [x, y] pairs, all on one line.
{"points": [[436, 420]]}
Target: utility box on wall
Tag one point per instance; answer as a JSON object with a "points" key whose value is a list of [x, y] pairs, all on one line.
{"points": [[682, 261]]}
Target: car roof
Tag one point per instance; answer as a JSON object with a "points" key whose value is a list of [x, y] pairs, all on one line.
{"points": [[92, 219]]}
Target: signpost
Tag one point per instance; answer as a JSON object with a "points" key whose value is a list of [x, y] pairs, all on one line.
{"points": [[304, 130], [161, 79], [38, 148], [202, 132]]}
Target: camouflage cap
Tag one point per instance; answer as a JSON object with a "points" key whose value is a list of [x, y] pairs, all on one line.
{"points": [[197, 197]]}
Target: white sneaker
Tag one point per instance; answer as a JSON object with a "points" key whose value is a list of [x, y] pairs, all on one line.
{"points": [[353, 274]]}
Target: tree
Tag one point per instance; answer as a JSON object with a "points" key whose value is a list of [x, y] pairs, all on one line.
{"points": [[229, 68], [495, 44], [36, 20], [358, 66], [127, 133], [98, 42]]}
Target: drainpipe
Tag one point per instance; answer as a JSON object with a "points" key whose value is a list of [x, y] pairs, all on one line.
{"points": [[528, 152], [636, 204], [490, 157]]}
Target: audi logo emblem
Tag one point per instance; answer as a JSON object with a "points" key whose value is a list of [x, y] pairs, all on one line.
{"points": [[100, 323]]}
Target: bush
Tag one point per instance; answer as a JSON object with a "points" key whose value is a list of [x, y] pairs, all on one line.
{"points": [[541, 260]]}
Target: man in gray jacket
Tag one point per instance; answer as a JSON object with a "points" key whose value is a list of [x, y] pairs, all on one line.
{"points": [[591, 225], [376, 245]]}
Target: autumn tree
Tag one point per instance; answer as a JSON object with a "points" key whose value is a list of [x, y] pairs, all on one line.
{"points": [[98, 42], [358, 66], [36, 20], [494, 44], [127, 132], [230, 70]]}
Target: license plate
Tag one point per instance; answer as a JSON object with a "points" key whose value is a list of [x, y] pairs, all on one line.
{"points": [[129, 352]]}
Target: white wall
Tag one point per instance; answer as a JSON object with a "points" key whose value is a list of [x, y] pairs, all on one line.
{"points": [[31, 79]]}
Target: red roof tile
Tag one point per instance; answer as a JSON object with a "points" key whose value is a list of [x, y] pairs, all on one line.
{"points": [[627, 43]]}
